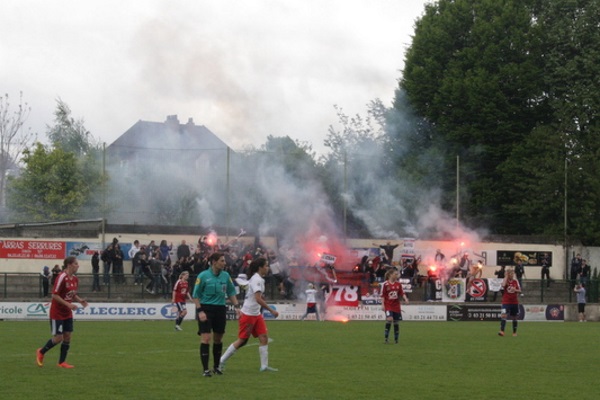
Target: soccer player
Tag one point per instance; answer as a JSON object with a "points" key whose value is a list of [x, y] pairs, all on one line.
{"points": [[391, 292], [510, 301], [61, 312], [180, 295], [213, 286], [311, 302], [251, 321]]}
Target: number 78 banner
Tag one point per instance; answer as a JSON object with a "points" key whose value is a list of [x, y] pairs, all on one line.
{"points": [[343, 295]]}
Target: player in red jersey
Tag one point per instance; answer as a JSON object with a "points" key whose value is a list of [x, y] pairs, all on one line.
{"points": [[391, 292], [61, 312], [510, 301], [181, 294]]}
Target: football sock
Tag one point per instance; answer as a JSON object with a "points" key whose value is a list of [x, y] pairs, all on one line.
{"points": [[264, 355], [228, 353], [64, 349], [502, 324], [50, 344], [204, 352], [217, 351], [515, 324], [387, 329], [396, 331]]}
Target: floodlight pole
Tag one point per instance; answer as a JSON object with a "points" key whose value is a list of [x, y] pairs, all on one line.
{"points": [[457, 192], [227, 192], [565, 236], [345, 195], [103, 195]]}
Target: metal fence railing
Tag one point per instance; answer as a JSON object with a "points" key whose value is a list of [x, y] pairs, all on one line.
{"points": [[30, 287]]}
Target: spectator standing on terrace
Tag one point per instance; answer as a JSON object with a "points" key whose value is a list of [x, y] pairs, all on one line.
{"points": [[180, 296], [183, 250], [45, 278], [118, 272], [546, 269], [96, 272], [138, 271], [465, 265], [500, 274], [135, 248], [575, 269], [580, 290], [584, 276], [520, 273], [155, 265], [246, 260], [277, 276], [211, 290], [391, 292], [510, 301], [389, 250], [474, 273], [147, 271], [151, 249], [55, 273], [198, 262], [61, 312], [439, 257], [251, 320], [165, 250], [311, 302], [108, 257], [379, 269], [205, 248], [416, 276]]}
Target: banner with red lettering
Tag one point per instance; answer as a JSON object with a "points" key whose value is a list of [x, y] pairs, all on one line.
{"points": [[36, 249]]}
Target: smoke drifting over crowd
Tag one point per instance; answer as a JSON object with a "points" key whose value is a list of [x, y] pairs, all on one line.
{"points": [[267, 195]]}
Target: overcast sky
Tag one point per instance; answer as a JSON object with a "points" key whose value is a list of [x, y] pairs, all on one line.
{"points": [[244, 69]]}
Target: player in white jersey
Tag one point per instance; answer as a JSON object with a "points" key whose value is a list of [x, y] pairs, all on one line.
{"points": [[251, 322]]}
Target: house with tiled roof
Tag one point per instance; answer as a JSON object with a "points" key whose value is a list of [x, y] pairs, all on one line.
{"points": [[153, 165], [146, 139]]}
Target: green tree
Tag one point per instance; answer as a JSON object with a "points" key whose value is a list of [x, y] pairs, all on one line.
{"points": [[60, 181], [68, 133], [536, 170], [474, 75], [572, 38], [51, 186]]}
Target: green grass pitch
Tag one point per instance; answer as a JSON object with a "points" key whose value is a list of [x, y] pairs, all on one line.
{"points": [[326, 360]]}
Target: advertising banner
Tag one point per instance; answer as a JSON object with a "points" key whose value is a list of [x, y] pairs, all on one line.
{"points": [[36, 249], [476, 312], [527, 258], [83, 250], [95, 311], [32, 311], [480, 312]]}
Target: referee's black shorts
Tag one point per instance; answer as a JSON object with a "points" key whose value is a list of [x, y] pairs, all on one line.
{"points": [[216, 318]]}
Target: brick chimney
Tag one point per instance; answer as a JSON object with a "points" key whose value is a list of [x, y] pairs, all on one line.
{"points": [[172, 122]]}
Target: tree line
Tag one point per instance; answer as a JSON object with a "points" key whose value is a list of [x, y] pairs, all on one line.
{"points": [[493, 123]]}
